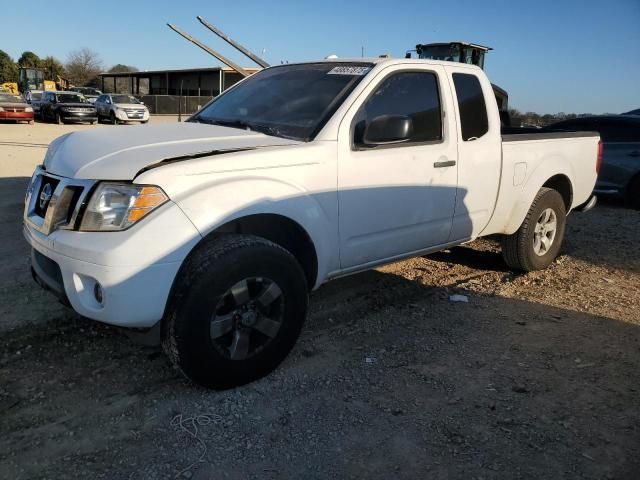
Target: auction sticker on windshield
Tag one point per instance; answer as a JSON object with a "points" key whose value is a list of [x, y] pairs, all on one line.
{"points": [[348, 70]]}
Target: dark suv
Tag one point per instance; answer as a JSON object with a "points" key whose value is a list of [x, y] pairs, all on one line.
{"points": [[62, 107], [620, 134]]}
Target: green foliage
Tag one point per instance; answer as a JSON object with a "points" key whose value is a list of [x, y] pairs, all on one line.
{"points": [[52, 67], [8, 68], [120, 68], [29, 60]]}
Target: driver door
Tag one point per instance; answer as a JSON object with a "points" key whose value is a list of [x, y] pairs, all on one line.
{"points": [[398, 198]]}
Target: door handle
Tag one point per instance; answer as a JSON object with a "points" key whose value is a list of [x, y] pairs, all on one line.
{"points": [[448, 163], [635, 153]]}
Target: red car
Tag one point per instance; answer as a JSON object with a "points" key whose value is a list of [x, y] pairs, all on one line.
{"points": [[14, 108]]}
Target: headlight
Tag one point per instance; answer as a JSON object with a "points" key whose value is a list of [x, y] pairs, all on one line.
{"points": [[1, 109], [117, 206], [28, 109]]}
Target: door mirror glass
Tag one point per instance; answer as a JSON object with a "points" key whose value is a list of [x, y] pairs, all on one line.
{"points": [[386, 129]]}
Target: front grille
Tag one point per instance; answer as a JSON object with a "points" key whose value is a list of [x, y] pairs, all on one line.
{"points": [[45, 193], [134, 112], [14, 109], [54, 202], [78, 110]]}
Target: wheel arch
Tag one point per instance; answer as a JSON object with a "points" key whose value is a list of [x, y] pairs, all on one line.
{"points": [[563, 186], [559, 182], [280, 230]]}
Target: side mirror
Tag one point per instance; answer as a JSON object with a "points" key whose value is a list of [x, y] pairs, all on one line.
{"points": [[387, 129]]}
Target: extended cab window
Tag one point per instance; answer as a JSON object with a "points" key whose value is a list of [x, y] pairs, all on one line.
{"points": [[473, 110], [411, 94]]}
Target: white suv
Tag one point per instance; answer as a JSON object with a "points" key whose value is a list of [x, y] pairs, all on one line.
{"points": [[117, 107]]}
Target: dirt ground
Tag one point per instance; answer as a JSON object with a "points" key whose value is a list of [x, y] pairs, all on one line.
{"points": [[536, 376]]}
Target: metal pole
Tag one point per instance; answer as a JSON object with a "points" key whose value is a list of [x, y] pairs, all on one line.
{"points": [[180, 101], [210, 51], [233, 43]]}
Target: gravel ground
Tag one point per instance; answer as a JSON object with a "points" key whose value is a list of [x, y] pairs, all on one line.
{"points": [[536, 376]]}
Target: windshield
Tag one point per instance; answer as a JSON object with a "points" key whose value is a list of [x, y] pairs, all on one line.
{"points": [[36, 95], [291, 101], [124, 99], [70, 98], [11, 99]]}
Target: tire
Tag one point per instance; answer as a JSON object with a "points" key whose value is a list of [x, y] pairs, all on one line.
{"points": [[520, 250], [113, 119], [633, 193], [144, 121], [203, 300], [59, 119]]}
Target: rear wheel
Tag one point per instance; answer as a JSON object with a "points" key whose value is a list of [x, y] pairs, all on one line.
{"points": [[236, 311], [536, 244], [633, 193]]}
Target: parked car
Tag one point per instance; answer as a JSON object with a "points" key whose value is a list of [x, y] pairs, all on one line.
{"points": [[121, 108], [62, 107], [14, 108], [90, 93], [620, 174], [34, 98], [214, 230]]}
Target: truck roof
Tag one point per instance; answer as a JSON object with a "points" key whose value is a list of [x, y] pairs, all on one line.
{"points": [[387, 61]]}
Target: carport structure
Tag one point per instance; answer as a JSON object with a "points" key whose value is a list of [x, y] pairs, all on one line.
{"points": [[164, 90], [201, 82]]}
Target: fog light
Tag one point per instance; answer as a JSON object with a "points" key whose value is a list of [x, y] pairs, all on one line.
{"points": [[97, 292]]}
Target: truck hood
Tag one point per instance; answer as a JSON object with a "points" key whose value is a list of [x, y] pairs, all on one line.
{"points": [[119, 153]]}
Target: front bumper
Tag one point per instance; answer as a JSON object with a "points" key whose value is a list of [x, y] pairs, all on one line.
{"points": [[131, 117], [17, 116], [135, 269]]}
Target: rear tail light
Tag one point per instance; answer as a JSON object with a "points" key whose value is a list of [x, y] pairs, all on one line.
{"points": [[599, 159]]}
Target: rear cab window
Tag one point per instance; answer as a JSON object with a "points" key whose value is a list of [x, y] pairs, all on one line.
{"points": [[474, 121]]}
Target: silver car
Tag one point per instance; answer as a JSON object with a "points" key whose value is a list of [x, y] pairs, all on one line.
{"points": [[34, 98], [121, 108]]}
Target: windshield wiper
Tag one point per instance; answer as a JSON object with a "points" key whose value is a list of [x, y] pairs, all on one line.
{"points": [[255, 127]]}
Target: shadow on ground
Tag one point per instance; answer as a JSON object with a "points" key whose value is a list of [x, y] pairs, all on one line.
{"points": [[390, 379]]}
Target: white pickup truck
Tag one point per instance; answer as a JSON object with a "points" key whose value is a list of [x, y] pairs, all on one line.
{"points": [[216, 229]]}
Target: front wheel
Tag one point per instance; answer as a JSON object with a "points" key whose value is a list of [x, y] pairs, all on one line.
{"points": [[536, 244], [59, 119], [236, 311], [113, 119]]}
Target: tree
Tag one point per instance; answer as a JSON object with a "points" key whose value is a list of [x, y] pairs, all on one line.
{"points": [[29, 60], [52, 68], [8, 68], [120, 68], [83, 67]]}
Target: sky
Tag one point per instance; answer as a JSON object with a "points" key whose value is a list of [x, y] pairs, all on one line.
{"points": [[552, 56]]}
